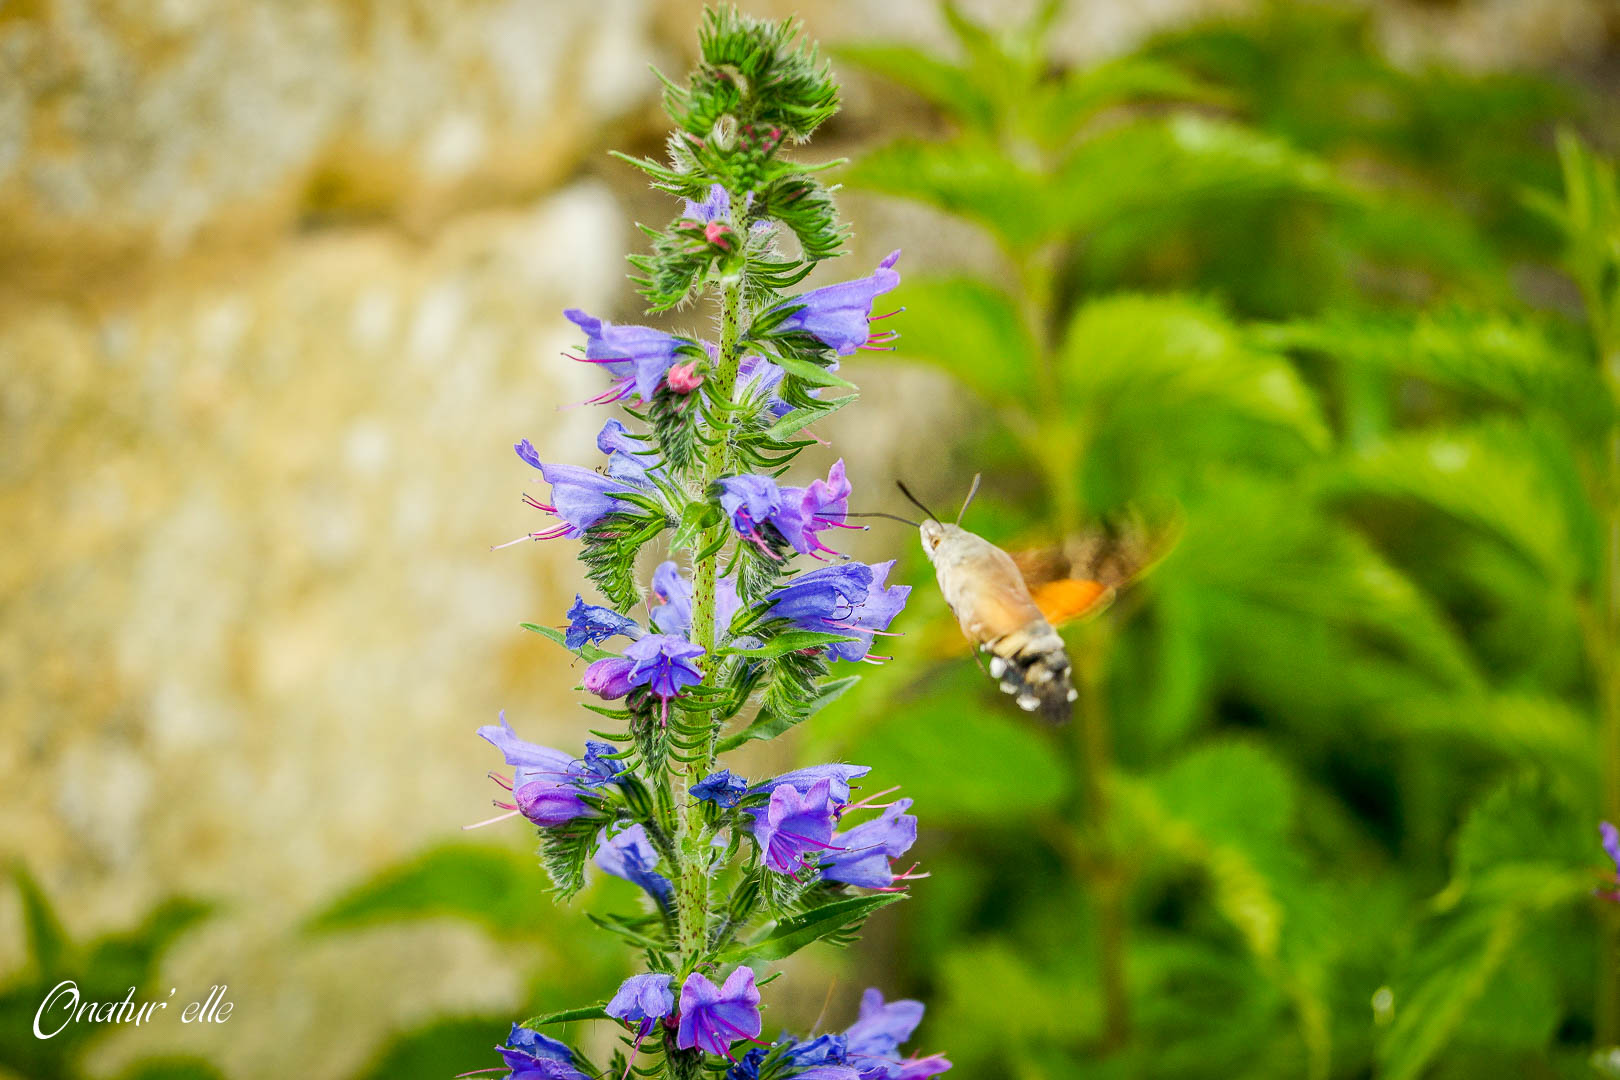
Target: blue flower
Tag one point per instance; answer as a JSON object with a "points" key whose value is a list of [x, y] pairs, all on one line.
{"points": [[629, 457], [638, 356], [876, 1035], [861, 856], [717, 207], [714, 1017], [599, 766], [721, 788], [869, 1050], [823, 1057], [849, 598], [533, 1056], [839, 315], [663, 664], [793, 826], [749, 501], [642, 1001], [629, 855], [593, 623], [837, 774]]}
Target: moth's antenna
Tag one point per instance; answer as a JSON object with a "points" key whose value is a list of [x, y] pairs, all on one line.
{"points": [[891, 517], [967, 502], [915, 501]]}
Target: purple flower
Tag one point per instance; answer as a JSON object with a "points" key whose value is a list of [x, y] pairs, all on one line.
{"points": [[643, 1000], [721, 788], [850, 598], [593, 623], [750, 502], [579, 497], [1611, 847], [809, 511], [533, 1056], [837, 775], [628, 854], [712, 1018], [861, 856], [600, 765], [629, 458], [793, 826], [609, 677], [545, 782], [637, 356], [663, 663], [717, 207], [876, 1035], [839, 315]]}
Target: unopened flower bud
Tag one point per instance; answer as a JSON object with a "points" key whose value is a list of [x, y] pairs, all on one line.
{"points": [[685, 378]]}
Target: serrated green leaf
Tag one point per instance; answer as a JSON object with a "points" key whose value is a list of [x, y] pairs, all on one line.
{"points": [[588, 651], [790, 935], [769, 725], [799, 419], [814, 374], [789, 641], [567, 1016]]}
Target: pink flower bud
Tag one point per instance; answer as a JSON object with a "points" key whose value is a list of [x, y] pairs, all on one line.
{"points": [[684, 378], [718, 233]]}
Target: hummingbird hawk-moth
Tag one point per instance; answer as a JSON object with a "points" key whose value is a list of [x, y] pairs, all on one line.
{"points": [[992, 603]]}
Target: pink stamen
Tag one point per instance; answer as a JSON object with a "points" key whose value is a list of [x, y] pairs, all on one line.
{"points": [[896, 311], [530, 500], [810, 840], [867, 801], [480, 825], [844, 525], [598, 359], [866, 630], [620, 390], [874, 659], [501, 780]]}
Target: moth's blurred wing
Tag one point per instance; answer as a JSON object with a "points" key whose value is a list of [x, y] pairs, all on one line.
{"points": [[1069, 599]]}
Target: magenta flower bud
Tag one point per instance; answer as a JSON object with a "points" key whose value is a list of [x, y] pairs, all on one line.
{"points": [[609, 677], [548, 802]]}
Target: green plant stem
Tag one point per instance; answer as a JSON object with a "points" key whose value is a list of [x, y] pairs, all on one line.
{"points": [[1107, 877], [1607, 670], [691, 886]]}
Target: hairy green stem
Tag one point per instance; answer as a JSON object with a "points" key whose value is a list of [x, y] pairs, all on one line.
{"points": [[691, 871]]}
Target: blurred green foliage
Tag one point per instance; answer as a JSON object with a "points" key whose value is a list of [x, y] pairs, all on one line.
{"points": [[103, 969], [1330, 805]]}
